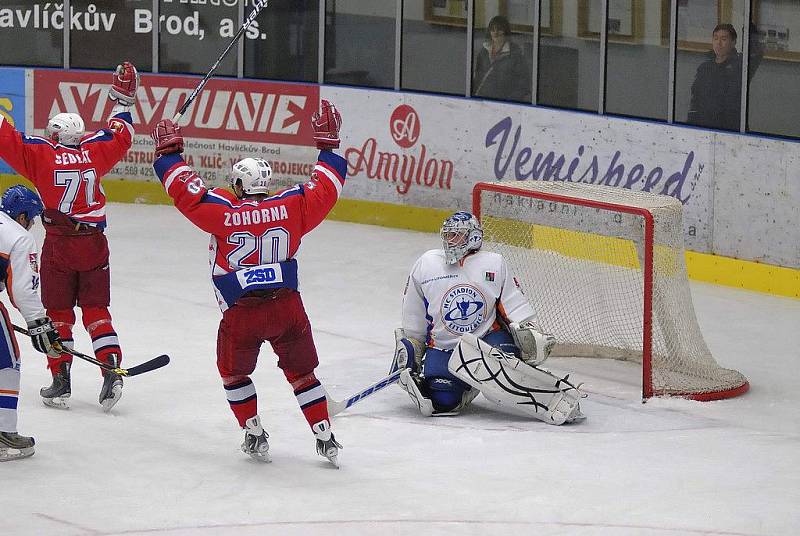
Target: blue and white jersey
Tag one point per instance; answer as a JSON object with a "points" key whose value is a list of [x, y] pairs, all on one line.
{"points": [[19, 268], [444, 301]]}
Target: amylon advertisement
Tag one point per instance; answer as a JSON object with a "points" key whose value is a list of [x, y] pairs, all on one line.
{"points": [[12, 102], [229, 120], [430, 151]]}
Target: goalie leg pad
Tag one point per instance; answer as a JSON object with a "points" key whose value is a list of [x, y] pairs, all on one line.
{"points": [[511, 383], [410, 385]]}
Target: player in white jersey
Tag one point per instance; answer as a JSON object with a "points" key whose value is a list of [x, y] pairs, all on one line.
{"points": [[467, 328], [19, 274]]}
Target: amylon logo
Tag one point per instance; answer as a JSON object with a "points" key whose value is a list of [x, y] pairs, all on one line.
{"points": [[236, 111], [404, 168], [404, 126]]}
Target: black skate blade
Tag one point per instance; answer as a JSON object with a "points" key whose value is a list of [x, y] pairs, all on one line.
{"points": [[147, 366]]}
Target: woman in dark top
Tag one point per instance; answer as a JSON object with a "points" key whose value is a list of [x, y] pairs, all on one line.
{"points": [[500, 69]]}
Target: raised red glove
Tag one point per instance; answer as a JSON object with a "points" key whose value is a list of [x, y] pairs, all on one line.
{"points": [[326, 125], [167, 136], [126, 81]]}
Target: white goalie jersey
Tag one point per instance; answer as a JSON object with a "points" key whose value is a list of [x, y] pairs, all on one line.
{"points": [[444, 301]]}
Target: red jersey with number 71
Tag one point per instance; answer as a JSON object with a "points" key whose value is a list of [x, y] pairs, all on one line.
{"points": [[68, 177]]}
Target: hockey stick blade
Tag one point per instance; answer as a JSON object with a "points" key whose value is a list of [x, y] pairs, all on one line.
{"points": [[335, 407], [147, 366]]}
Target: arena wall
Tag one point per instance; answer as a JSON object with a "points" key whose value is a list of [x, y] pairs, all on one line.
{"points": [[413, 158]]}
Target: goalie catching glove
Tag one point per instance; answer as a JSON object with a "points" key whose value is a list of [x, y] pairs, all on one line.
{"points": [[44, 337], [125, 83], [534, 346]]}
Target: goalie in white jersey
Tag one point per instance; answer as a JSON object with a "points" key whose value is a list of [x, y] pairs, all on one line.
{"points": [[467, 328]]}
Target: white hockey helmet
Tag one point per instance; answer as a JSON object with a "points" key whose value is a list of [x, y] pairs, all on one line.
{"points": [[461, 233], [253, 175], [66, 128]]}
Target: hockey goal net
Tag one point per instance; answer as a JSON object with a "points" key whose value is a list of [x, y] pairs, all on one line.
{"points": [[605, 270]]}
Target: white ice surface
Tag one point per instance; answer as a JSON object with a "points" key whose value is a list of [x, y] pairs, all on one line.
{"points": [[166, 461]]}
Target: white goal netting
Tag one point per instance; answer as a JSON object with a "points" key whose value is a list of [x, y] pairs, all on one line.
{"points": [[579, 252]]}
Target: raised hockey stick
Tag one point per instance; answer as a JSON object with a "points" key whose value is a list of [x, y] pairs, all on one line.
{"points": [[147, 366], [335, 407], [258, 5]]}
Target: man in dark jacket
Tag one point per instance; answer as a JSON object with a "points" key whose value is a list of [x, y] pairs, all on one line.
{"points": [[717, 88]]}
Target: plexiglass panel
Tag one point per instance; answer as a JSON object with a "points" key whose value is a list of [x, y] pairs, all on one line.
{"points": [[637, 64], [192, 36], [112, 32], [434, 46], [360, 42], [708, 77], [285, 46], [503, 50], [569, 55], [774, 103]]}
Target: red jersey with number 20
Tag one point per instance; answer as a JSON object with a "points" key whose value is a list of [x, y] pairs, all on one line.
{"points": [[253, 242], [68, 177]]}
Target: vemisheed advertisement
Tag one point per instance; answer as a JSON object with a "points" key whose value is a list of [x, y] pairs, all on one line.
{"points": [[228, 121], [430, 151]]}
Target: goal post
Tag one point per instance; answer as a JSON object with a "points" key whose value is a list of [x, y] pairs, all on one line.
{"points": [[605, 270]]}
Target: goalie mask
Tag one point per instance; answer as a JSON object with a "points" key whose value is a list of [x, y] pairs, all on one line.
{"points": [[253, 175], [461, 233], [66, 128]]}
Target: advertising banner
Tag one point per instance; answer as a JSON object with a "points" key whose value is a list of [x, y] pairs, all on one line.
{"points": [[228, 121], [430, 151], [12, 102]]}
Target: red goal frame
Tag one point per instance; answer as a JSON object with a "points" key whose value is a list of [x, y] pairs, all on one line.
{"points": [[647, 322]]}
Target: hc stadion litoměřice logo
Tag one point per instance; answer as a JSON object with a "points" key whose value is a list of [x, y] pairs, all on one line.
{"points": [[463, 309], [413, 164], [404, 126]]}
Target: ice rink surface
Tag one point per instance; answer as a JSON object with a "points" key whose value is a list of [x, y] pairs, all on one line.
{"points": [[166, 461]]}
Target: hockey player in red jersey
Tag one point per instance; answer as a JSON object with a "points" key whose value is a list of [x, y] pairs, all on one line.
{"points": [[254, 239], [66, 168]]}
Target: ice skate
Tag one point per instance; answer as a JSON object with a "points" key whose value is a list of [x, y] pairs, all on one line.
{"points": [[111, 392], [57, 395], [326, 442], [14, 446], [255, 440]]}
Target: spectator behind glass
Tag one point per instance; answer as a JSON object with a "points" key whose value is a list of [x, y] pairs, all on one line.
{"points": [[500, 69], [717, 88]]}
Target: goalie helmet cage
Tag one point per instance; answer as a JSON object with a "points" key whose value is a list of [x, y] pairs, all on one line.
{"points": [[605, 271]]}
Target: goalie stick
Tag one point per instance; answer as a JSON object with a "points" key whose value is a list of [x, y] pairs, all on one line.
{"points": [[147, 366], [335, 407], [258, 5]]}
